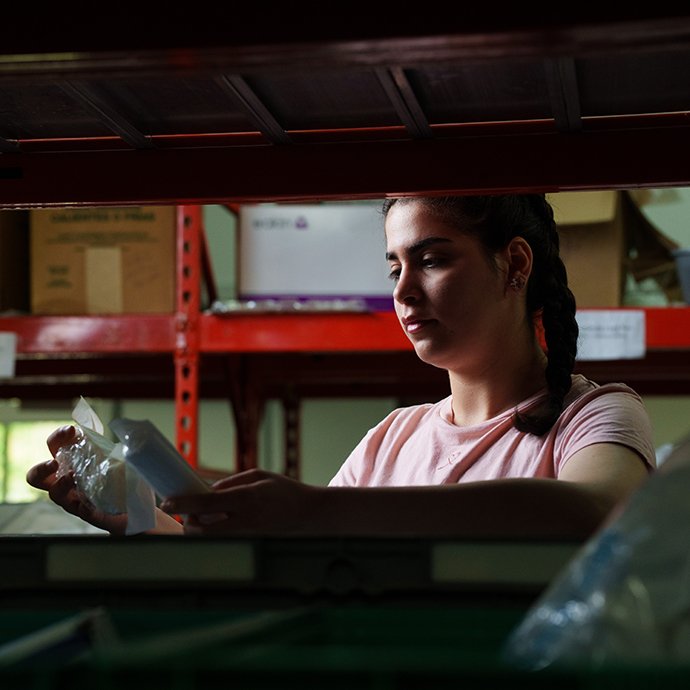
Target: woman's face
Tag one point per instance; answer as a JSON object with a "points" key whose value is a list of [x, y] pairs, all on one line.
{"points": [[451, 300]]}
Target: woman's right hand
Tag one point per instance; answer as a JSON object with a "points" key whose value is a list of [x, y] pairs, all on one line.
{"points": [[62, 489]]}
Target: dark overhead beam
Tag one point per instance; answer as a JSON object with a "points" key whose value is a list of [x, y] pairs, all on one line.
{"points": [[564, 94], [259, 114], [93, 101], [7, 146], [400, 93], [482, 27], [501, 163]]}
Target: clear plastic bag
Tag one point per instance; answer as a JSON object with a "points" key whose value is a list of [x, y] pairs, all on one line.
{"points": [[101, 474], [155, 459], [625, 598]]}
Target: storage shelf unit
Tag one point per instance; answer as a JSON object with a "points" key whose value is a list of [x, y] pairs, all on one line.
{"points": [[264, 106]]}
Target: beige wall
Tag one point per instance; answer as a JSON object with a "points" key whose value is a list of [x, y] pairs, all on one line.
{"points": [[670, 417]]}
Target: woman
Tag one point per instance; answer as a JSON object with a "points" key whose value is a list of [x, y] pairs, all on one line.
{"points": [[521, 447]]}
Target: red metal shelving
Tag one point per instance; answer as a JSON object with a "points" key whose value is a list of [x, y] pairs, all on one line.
{"points": [[62, 335], [667, 328], [328, 332]]}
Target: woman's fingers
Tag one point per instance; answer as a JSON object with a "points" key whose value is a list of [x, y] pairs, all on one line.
{"points": [[241, 479], [64, 436], [64, 492], [61, 490], [213, 502], [115, 524], [41, 476], [250, 502], [223, 498], [220, 523]]}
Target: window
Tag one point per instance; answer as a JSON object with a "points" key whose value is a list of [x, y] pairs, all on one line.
{"points": [[22, 445]]}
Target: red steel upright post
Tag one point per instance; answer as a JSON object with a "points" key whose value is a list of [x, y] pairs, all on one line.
{"points": [[189, 233]]}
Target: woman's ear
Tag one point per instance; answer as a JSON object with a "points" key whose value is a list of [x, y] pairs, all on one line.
{"points": [[518, 256]]}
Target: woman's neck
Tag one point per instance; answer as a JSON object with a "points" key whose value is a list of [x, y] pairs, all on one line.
{"points": [[501, 385]]}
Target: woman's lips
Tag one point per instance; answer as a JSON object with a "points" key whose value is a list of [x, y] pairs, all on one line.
{"points": [[415, 325]]}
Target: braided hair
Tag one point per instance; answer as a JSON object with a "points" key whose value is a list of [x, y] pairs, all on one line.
{"points": [[495, 220]]}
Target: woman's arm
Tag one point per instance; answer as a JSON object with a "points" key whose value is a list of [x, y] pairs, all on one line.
{"points": [[593, 482]]}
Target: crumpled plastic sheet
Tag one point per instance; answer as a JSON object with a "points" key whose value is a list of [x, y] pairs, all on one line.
{"points": [[625, 597], [98, 473]]}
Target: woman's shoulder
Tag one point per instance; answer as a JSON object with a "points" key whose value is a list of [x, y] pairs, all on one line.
{"points": [[583, 390], [605, 413], [591, 405]]}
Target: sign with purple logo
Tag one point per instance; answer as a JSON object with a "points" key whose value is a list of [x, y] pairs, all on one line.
{"points": [[329, 251]]}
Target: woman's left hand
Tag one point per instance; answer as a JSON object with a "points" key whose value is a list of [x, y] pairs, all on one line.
{"points": [[250, 502]]}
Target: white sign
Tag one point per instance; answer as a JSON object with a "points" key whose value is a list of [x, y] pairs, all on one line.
{"points": [[8, 354], [325, 251], [611, 334]]}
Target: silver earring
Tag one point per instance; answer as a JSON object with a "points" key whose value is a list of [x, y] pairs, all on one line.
{"points": [[517, 282]]}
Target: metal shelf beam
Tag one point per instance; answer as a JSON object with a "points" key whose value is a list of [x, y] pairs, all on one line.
{"points": [[668, 328], [617, 159]]}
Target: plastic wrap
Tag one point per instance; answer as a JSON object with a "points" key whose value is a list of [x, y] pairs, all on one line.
{"points": [[156, 459], [625, 597], [101, 474]]}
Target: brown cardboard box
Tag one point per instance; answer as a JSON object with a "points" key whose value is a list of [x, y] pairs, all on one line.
{"points": [[14, 261], [604, 238], [106, 260], [592, 236]]}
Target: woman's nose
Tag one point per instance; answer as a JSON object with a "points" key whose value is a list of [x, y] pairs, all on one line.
{"points": [[406, 289]]}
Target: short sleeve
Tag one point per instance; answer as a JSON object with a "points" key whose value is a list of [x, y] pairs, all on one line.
{"points": [[612, 413]]}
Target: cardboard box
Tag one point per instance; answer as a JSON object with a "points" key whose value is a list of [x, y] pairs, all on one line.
{"points": [[592, 234], [14, 261], [318, 252], [605, 238], [106, 260]]}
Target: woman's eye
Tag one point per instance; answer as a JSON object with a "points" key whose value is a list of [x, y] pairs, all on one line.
{"points": [[430, 261], [394, 274]]}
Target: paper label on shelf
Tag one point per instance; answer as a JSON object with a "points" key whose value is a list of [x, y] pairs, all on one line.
{"points": [[8, 354], [611, 334]]}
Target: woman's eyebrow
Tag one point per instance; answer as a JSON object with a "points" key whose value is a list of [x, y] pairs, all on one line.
{"points": [[419, 246]]}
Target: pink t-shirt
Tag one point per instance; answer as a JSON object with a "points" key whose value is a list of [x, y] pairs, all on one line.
{"points": [[419, 445]]}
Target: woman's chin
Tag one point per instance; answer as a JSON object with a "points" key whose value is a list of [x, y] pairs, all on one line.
{"points": [[429, 355]]}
